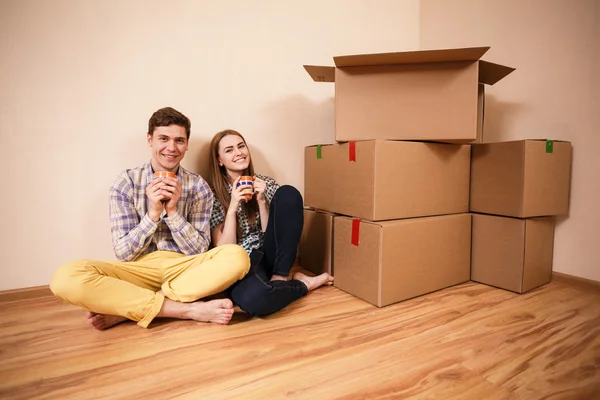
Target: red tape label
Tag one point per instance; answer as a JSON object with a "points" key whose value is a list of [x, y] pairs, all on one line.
{"points": [[352, 151], [355, 231]]}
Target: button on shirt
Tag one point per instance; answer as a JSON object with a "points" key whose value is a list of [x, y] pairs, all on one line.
{"points": [[252, 236], [135, 234]]}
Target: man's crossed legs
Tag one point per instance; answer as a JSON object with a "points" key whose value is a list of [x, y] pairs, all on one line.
{"points": [[158, 284]]}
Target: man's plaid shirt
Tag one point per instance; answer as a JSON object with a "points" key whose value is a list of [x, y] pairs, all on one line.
{"points": [[135, 234]]}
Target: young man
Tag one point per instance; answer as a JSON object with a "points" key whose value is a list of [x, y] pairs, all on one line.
{"points": [[161, 231]]}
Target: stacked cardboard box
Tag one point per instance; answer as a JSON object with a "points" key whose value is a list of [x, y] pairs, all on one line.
{"points": [[516, 190], [396, 185], [316, 245]]}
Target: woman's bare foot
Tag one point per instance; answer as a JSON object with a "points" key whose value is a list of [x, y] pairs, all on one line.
{"points": [[279, 278], [102, 321], [313, 282], [218, 311]]}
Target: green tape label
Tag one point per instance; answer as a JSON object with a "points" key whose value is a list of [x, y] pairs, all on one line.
{"points": [[549, 146], [318, 151]]}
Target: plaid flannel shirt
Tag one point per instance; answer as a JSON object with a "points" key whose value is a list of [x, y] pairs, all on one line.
{"points": [[135, 234], [252, 235]]}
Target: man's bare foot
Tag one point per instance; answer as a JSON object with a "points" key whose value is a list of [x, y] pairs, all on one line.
{"points": [[218, 311], [279, 278], [102, 322], [313, 282]]}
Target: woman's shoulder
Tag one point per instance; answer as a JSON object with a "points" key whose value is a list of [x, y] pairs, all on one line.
{"points": [[266, 178]]}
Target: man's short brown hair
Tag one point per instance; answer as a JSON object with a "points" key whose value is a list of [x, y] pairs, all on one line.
{"points": [[169, 116]]}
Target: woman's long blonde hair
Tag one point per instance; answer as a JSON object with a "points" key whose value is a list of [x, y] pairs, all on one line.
{"points": [[220, 180]]}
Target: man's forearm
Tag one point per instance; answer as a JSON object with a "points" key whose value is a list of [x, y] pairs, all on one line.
{"points": [[131, 245], [189, 239]]}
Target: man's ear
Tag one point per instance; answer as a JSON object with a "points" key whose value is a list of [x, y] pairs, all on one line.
{"points": [[149, 138]]}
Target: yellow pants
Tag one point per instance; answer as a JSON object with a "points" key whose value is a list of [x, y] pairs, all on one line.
{"points": [[130, 289]]}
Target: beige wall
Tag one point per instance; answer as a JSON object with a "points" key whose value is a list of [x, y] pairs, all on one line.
{"points": [[79, 80], [554, 93]]}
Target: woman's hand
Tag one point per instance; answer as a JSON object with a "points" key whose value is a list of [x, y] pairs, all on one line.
{"points": [[259, 188], [236, 196]]}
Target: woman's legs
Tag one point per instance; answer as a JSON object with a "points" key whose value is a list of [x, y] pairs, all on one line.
{"points": [[286, 219], [257, 293]]}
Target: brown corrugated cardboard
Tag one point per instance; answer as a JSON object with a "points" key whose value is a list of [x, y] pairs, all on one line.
{"points": [[480, 113], [316, 244], [526, 178], [512, 253], [387, 179], [400, 259], [428, 95]]}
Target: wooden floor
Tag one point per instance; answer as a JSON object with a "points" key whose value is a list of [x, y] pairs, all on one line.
{"points": [[466, 342]]}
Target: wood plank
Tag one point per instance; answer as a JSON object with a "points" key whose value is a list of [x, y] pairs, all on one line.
{"points": [[581, 283], [24, 294], [468, 341]]}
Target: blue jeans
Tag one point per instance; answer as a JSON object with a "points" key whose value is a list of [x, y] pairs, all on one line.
{"points": [[256, 293]]}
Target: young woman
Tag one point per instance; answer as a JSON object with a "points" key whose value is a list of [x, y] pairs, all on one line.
{"points": [[268, 226]]}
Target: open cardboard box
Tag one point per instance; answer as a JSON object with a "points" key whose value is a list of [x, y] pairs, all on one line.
{"points": [[431, 95]]}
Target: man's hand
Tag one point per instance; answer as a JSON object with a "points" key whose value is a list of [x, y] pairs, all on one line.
{"points": [[154, 191], [172, 193]]}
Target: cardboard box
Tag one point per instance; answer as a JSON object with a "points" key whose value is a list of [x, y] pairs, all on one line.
{"points": [[381, 179], [387, 262], [316, 244], [432, 95], [526, 178], [512, 253]]}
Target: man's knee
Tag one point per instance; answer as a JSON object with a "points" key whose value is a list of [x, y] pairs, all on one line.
{"points": [[65, 283], [235, 258]]}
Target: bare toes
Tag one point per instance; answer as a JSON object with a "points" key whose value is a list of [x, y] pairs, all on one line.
{"points": [[97, 322], [101, 321], [222, 303], [223, 320]]}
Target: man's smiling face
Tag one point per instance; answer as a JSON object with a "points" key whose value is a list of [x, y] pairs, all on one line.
{"points": [[168, 144]]}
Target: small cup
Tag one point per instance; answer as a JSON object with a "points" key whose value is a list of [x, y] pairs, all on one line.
{"points": [[164, 174], [248, 186]]}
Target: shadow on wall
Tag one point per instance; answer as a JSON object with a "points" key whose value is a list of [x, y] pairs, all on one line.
{"points": [[296, 119], [286, 127], [197, 158], [260, 162], [560, 219], [295, 122], [497, 114]]}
